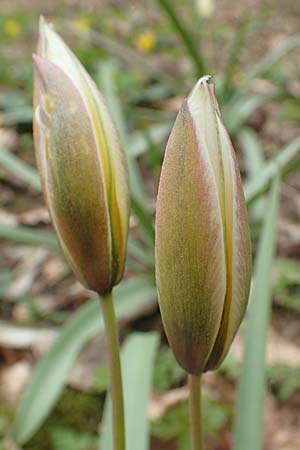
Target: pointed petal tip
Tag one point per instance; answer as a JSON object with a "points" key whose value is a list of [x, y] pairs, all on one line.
{"points": [[204, 79], [42, 21], [44, 24], [46, 29]]}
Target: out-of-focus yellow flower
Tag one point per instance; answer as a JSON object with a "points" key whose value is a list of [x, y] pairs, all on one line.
{"points": [[145, 41], [203, 254], [12, 28], [82, 24], [205, 8], [81, 163]]}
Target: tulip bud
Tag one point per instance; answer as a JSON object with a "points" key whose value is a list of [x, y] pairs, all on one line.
{"points": [[81, 164], [203, 250]]}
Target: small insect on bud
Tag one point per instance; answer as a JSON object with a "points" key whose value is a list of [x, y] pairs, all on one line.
{"points": [[81, 164], [203, 249]]}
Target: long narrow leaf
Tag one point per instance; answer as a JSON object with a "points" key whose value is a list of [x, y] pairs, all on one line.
{"points": [[137, 357], [248, 429], [254, 162], [138, 252], [139, 142], [252, 152], [237, 113], [282, 162], [29, 236], [22, 170], [51, 372]]}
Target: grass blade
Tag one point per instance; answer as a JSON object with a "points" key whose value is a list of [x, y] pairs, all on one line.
{"points": [[138, 252], [252, 151], [254, 162], [29, 236], [248, 429], [22, 170], [184, 35], [137, 356], [237, 113], [283, 162], [139, 143], [34, 237], [51, 371]]}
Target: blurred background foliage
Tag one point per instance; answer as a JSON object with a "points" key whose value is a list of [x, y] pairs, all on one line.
{"points": [[145, 57]]}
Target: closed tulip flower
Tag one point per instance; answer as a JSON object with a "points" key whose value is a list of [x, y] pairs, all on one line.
{"points": [[81, 164], [203, 254], [84, 179]]}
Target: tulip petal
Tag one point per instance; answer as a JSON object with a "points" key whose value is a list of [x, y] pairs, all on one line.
{"points": [[191, 268], [238, 253], [74, 190]]}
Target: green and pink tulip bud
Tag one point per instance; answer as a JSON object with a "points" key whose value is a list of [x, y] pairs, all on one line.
{"points": [[203, 250], [81, 164]]}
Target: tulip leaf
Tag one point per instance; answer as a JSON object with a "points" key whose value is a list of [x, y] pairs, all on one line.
{"points": [[29, 236], [252, 151], [137, 357], [138, 252], [22, 170], [248, 429], [51, 371], [283, 162], [254, 162], [238, 112], [32, 236], [139, 142]]}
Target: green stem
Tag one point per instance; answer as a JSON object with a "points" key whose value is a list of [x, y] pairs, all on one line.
{"points": [[185, 37], [195, 412], [116, 387]]}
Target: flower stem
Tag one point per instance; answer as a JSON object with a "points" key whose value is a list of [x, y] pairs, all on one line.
{"points": [[116, 387], [195, 412]]}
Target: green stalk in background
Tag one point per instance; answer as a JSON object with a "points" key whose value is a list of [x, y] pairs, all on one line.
{"points": [[195, 411], [248, 427], [184, 36], [116, 386]]}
